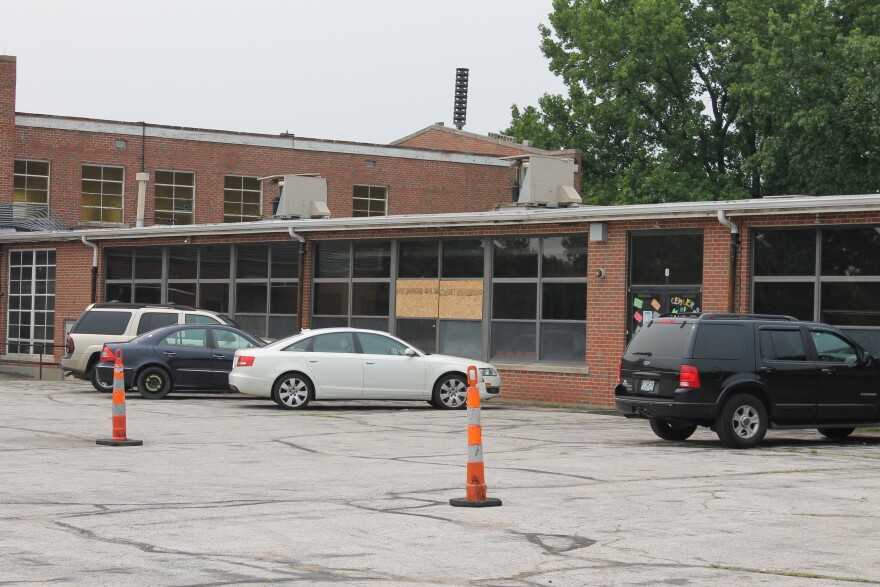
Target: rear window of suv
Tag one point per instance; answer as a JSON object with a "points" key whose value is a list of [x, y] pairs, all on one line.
{"points": [[153, 320], [102, 323], [662, 338], [719, 341]]}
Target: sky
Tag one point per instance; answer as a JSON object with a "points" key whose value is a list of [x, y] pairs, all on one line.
{"points": [[366, 71]]}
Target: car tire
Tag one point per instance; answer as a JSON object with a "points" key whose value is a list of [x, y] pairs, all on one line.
{"points": [[742, 422], [450, 393], [293, 391], [154, 383], [835, 432], [96, 381], [671, 430]]}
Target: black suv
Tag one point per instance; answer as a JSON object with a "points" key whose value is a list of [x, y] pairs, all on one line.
{"points": [[740, 374]]}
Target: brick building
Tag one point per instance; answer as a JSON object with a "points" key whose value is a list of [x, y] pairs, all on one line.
{"points": [[422, 241]]}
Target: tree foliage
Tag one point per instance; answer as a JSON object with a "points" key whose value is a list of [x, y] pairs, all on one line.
{"points": [[675, 100]]}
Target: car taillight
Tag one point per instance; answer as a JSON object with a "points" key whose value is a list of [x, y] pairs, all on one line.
{"points": [[107, 356], [245, 361], [68, 345], [620, 372], [689, 377]]}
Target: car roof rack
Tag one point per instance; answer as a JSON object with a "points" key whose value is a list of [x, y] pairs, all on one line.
{"points": [[724, 316], [115, 304]]}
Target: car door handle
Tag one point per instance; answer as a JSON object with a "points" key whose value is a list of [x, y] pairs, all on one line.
{"points": [[313, 360], [222, 357], [169, 354], [370, 362], [827, 371], [766, 369]]}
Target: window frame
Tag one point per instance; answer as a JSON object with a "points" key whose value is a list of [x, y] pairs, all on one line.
{"points": [[241, 216], [103, 209], [14, 292], [28, 206], [159, 214], [368, 200]]}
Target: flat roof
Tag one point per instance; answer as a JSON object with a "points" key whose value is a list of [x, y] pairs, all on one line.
{"points": [[504, 215]]}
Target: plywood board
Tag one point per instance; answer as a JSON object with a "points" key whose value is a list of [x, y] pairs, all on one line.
{"points": [[461, 300], [417, 298]]}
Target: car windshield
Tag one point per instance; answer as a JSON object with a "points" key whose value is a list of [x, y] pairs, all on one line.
{"points": [[667, 338]]}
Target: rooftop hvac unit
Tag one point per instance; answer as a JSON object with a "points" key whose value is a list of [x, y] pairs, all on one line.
{"points": [[544, 181], [302, 196]]}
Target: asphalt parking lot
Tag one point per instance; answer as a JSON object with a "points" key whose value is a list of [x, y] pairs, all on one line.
{"points": [[231, 490]]}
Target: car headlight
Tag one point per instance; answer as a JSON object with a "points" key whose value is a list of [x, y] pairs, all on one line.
{"points": [[488, 372]]}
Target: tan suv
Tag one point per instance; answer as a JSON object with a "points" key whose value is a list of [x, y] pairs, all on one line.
{"points": [[117, 322]]}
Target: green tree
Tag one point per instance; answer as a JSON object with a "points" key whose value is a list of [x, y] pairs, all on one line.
{"points": [[676, 100]]}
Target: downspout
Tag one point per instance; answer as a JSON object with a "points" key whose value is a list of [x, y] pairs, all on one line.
{"points": [[94, 267], [142, 178], [302, 271], [734, 248]]}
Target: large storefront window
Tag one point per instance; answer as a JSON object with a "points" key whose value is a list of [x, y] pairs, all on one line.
{"points": [[513, 299], [828, 274], [31, 315], [255, 284]]}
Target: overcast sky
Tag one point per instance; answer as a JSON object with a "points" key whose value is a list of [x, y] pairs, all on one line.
{"points": [[366, 71]]}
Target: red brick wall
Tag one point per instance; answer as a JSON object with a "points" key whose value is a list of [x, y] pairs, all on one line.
{"points": [[415, 186], [7, 126]]}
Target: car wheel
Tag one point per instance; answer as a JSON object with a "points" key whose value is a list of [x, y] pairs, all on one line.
{"points": [[154, 383], [292, 391], [450, 393], [670, 430], [836, 432], [97, 383], [742, 422]]}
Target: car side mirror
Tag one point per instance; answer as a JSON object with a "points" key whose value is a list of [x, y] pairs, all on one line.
{"points": [[409, 352], [868, 360]]}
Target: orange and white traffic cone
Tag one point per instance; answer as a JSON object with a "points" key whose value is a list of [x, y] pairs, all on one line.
{"points": [[475, 488], [119, 438]]}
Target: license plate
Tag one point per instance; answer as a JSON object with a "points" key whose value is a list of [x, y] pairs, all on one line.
{"points": [[647, 385]]}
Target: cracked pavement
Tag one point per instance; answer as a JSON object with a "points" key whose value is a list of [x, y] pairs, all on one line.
{"points": [[231, 490]]}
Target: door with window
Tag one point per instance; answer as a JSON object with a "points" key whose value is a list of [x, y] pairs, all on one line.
{"points": [[847, 387], [665, 275], [788, 372], [335, 366]]}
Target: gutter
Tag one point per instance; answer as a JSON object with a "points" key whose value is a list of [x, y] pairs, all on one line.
{"points": [[94, 267], [299, 286], [734, 249]]}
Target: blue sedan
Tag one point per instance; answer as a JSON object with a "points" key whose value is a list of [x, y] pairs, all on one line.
{"points": [[179, 357]]}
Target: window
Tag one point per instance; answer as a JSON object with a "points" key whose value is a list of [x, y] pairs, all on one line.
{"points": [[241, 199], [376, 344], [102, 191], [370, 201], [153, 320], [175, 196], [782, 345], [30, 187], [829, 275], [539, 299], [226, 339], [257, 284], [31, 298], [336, 342], [187, 337], [831, 348], [352, 284], [720, 341]]}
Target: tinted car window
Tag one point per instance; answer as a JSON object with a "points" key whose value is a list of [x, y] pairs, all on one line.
{"points": [[200, 319], [152, 320], [187, 337], [376, 344], [334, 342], [782, 345], [103, 323], [831, 347], [664, 338], [226, 339], [719, 341]]}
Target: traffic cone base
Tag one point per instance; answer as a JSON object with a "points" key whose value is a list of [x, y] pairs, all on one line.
{"points": [[126, 442]]}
